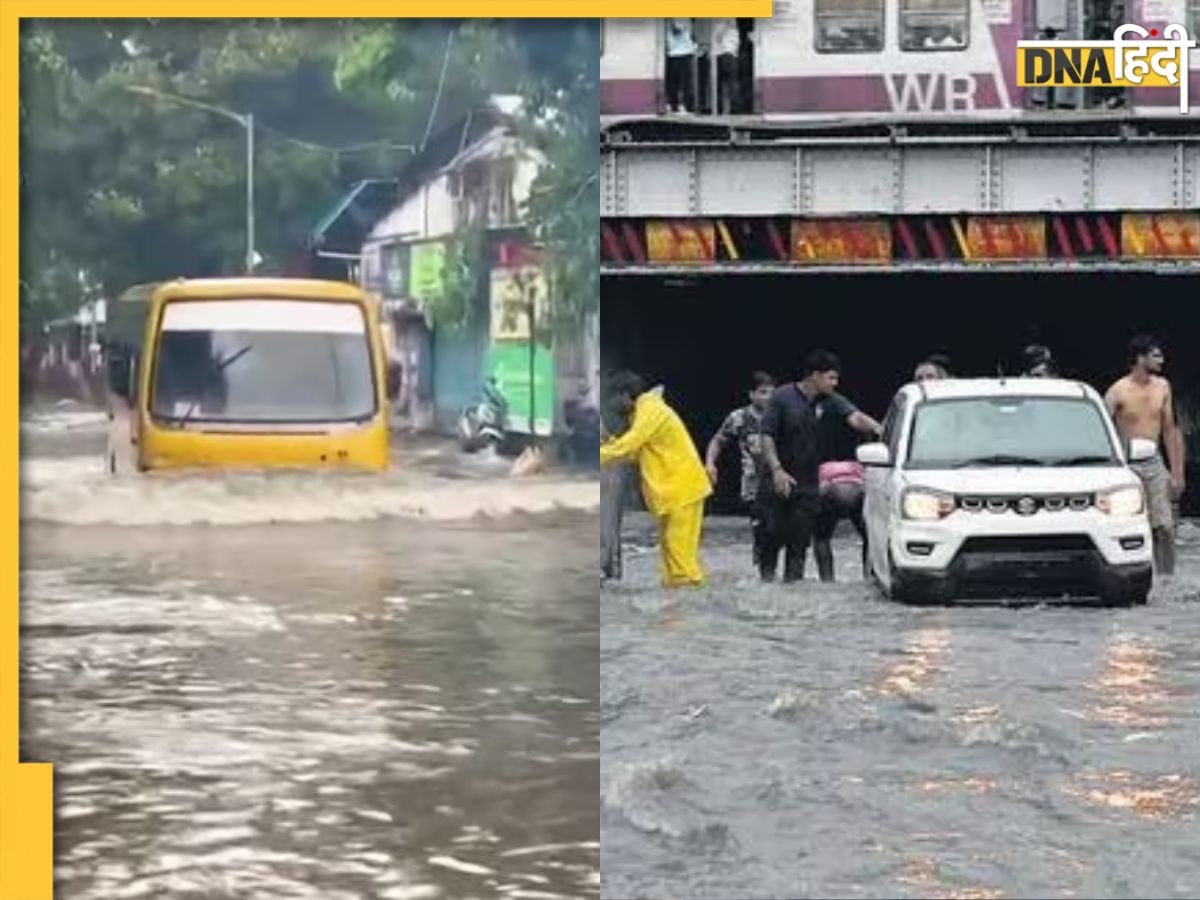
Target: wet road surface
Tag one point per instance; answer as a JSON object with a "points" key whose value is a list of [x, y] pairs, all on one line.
{"points": [[337, 709], [818, 741]]}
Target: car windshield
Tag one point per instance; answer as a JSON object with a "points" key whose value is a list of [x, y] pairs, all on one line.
{"points": [[999, 431], [251, 360]]}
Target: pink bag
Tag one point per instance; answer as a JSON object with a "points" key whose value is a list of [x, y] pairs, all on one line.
{"points": [[840, 471]]}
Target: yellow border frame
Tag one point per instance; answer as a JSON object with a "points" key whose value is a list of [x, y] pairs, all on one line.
{"points": [[26, 789]]}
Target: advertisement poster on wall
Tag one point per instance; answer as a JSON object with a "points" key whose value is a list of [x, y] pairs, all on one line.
{"points": [[509, 365], [426, 262], [513, 291]]}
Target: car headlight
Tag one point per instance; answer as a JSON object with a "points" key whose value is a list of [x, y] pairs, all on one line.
{"points": [[1123, 502], [925, 505]]}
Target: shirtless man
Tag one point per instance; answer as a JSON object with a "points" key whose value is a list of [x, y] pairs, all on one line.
{"points": [[1142, 407]]}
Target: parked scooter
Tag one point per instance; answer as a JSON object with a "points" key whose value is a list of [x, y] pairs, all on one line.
{"points": [[482, 424]]}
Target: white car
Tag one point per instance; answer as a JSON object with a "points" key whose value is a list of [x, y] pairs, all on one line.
{"points": [[1004, 489]]}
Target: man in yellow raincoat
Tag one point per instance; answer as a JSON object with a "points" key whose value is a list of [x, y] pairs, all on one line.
{"points": [[674, 482]]}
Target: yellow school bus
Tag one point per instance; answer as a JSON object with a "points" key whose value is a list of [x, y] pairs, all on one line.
{"points": [[246, 373]]}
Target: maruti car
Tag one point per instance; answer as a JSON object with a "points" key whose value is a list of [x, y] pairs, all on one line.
{"points": [[1006, 489]]}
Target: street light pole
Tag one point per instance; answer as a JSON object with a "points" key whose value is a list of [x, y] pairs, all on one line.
{"points": [[246, 120]]}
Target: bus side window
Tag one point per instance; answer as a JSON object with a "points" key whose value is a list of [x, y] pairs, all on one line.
{"points": [[848, 26], [934, 24], [118, 370]]}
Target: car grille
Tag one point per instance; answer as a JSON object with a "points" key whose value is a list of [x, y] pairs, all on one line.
{"points": [[1025, 504], [1028, 544], [1025, 565]]}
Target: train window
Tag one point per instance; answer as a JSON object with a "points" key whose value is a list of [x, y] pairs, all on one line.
{"points": [[849, 26], [1195, 14], [934, 24]]}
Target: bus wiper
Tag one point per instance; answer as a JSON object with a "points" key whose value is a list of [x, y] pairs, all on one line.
{"points": [[1088, 460], [999, 459], [216, 370]]}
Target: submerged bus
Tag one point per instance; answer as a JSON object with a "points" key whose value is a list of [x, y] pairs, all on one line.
{"points": [[246, 373]]}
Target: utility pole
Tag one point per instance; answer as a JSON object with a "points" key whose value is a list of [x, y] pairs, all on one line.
{"points": [[246, 120]]}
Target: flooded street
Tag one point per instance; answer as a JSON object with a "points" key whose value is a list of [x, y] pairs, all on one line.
{"points": [[309, 691], [811, 740]]}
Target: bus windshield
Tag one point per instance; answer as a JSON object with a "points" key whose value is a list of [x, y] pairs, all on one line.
{"points": [[251, 360]]}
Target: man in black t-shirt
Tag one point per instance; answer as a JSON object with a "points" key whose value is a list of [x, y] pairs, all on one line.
{"points": [[792, 453]]}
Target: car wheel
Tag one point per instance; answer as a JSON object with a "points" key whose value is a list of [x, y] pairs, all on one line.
{"points": [[874, 577], [876, 580], [902, 592], [1135, 593], [897, 591]]}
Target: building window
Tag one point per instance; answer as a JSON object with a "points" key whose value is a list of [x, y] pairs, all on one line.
{"points": [[849, 26], [502, 206], [934, 24], [370, 269]]}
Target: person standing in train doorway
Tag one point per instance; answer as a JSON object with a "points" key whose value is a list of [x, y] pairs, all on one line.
{"points": [[726, 42], [674, 483], [681, 53], [1142, 406]]}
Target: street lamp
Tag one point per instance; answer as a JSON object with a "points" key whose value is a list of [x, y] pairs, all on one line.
{"points": [[246, 120]]}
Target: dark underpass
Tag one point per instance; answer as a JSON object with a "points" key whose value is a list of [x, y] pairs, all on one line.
{"points": [[702, 336], [814, 740]]}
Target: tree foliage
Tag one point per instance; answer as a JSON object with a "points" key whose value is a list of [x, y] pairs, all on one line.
{"points": [[119, 187], [564, 206], [462, 274]]}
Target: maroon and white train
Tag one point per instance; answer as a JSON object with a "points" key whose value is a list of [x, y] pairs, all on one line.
{"points": [[845, 58]]}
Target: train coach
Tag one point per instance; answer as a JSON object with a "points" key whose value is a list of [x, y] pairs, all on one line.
{"points": [[817, 59]]}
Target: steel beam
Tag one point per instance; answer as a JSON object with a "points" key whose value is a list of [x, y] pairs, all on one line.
{"points": [[1007, 173], [1162, 269]]}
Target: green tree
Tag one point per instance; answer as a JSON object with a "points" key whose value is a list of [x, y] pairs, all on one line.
{"points": [[563, 121]]}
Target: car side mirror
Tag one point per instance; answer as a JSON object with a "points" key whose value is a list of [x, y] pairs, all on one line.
{"points": [[874, 455], [1141, 450]]}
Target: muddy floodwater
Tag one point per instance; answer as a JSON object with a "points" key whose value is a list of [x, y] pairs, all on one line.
{"points": [[818, 741], [310, 686]]}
